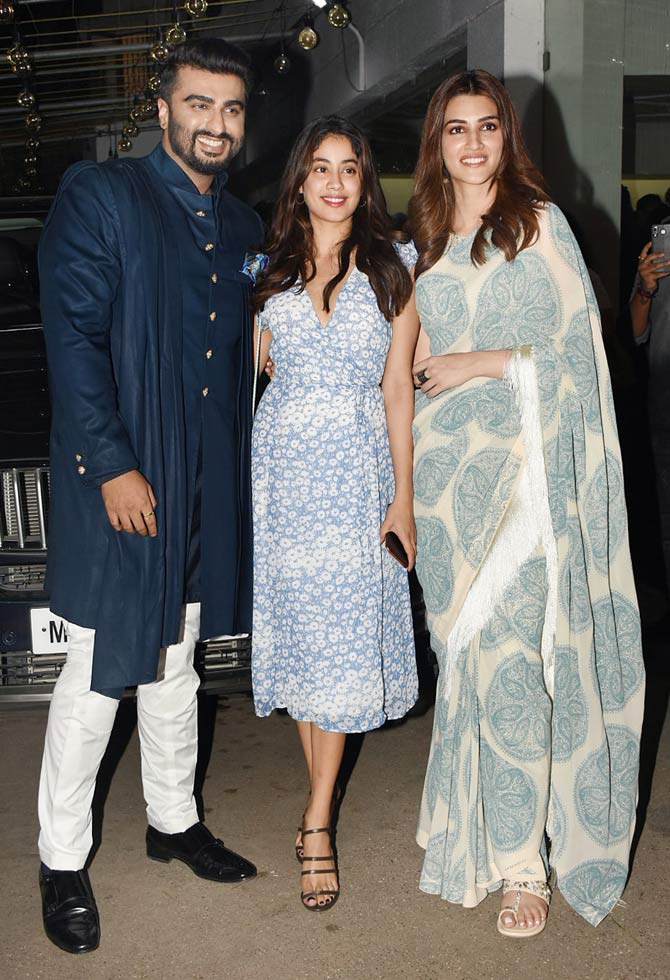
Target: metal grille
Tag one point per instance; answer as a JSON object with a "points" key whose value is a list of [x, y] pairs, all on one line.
{"points": [[24, 508], [224, 666]]}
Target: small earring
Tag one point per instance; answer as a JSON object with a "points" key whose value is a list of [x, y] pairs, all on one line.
{"points": [[300, 198]]}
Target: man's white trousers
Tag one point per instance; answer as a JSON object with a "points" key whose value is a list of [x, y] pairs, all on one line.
{"points": [[78, 730]]}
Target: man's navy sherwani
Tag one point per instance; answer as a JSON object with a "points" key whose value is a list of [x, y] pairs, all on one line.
{"points": [[148, 334]]}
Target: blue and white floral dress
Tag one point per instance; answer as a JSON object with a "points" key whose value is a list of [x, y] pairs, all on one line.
{"points": [[332, 626]]}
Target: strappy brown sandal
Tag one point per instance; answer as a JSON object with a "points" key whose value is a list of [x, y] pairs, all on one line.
{"points": [[299, 849], [332, 893], [334, 810], [540, 888]]}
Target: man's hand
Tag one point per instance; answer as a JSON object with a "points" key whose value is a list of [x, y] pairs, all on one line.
{"points": [[130, 502]]}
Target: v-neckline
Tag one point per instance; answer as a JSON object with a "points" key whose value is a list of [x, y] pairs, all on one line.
{"points": [[333, 308]]}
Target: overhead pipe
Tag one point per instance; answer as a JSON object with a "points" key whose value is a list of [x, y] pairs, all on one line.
{"points": [[55, 72], [361, 55], [95, 131], [50, 54], [76, 107]]}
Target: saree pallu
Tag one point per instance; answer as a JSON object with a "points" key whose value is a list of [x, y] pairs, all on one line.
{"points": [[524, 562]]}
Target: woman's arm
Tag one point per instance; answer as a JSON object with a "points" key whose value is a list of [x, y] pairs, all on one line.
{"points": [[651, 268], [422, 349], [440, 372], [266, 340], [398, 391]]}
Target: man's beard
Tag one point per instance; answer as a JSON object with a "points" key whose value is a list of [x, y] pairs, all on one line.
{"points": [[182, 143]]}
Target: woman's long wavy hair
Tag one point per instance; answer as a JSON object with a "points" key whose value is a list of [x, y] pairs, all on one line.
{"points": [[512, 221], [290, 247]]}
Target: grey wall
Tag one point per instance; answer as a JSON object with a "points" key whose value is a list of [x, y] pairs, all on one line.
{"points": [[402, 38]]}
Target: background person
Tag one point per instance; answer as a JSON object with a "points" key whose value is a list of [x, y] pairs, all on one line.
{"points": [[650, 318]]}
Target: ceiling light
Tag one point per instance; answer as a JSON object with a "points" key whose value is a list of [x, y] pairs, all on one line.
{"points": [[308, 38], [338, 15], [282, 64], [196, 8]]}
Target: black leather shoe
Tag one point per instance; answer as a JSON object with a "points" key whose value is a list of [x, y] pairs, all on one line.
{"points": [[204, 854], [69, 912]]}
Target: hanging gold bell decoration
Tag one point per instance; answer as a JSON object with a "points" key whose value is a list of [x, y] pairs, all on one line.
{"points": [[32, 143], [308, 38], [16, 53], [124, 144], [18, 58], [338, 15], [6, 12], [30, 161], [30, 172], [282, 65], [33, 121], [154, 84], [131, 129], [149, 108], [136, 114], [22, 68], [159, 52], [25, 99], [175, 35], [196, 8]]}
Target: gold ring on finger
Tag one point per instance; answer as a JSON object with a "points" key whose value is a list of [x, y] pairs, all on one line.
{"points": [[147, 516]]}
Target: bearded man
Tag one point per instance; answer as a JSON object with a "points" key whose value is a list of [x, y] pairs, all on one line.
{"points": [[148, 334]]}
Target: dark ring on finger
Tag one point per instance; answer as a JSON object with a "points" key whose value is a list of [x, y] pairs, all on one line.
{"points": [[422, 377]]}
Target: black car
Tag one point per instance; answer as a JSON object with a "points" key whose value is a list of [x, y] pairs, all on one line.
{"points": [[33, 641]]}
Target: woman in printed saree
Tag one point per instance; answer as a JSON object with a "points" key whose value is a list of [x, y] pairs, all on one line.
{"points": [[522, 538]]}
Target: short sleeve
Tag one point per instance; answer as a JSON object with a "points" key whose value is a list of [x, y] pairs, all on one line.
{"points": [[262, 319], [407, 252]]}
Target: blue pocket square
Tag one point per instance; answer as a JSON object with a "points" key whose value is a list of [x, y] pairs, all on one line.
{"points": [[254, 264]]}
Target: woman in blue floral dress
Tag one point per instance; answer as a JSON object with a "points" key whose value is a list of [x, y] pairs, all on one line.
{"points": [[332, 471]]}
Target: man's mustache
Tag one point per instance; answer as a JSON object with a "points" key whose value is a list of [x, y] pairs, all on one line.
{"points": [[213, 136]]}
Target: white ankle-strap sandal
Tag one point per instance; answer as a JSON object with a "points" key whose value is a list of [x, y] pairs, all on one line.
{"points": [[540, 888]]}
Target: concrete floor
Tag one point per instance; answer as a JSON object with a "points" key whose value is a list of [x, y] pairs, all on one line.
{"points": [[159, 921]]}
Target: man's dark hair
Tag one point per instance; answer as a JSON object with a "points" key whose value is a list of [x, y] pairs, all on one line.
{"points": [[210, 54]]}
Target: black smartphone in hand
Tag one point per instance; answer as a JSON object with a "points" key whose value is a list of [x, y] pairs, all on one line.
{"points": [[394, 546], [660, 239]]}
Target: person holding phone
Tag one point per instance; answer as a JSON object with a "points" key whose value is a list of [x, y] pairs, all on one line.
{"points": [[650, 317], [332, 471], [522, 548], [653, 267]]}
